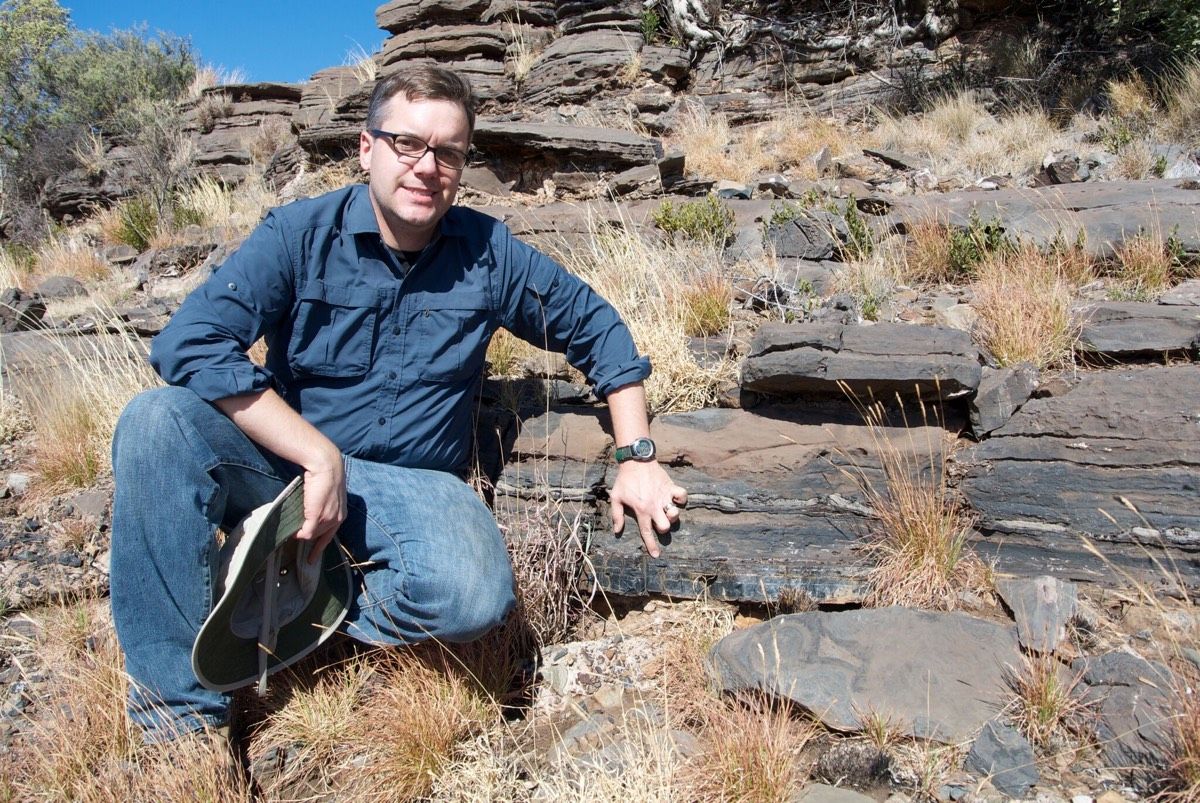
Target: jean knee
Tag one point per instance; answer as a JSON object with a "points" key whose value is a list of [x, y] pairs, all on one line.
{"points": [[465, 608], [150, 424]]}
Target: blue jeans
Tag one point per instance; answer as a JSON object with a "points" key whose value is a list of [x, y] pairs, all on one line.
{"points": [[429, 560]]}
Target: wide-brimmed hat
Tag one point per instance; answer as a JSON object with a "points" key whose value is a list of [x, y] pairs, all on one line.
{"points": [[275, 607]]}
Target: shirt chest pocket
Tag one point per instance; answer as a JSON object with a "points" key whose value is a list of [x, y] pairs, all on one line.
{"points": [[452, 336], [335, 330]]}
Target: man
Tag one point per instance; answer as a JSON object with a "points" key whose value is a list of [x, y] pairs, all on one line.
{"points": [[377, 303]]}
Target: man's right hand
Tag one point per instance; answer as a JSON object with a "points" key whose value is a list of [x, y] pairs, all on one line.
{"points": [[324, 502]]}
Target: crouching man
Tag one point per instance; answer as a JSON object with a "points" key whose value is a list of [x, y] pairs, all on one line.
{"points": [[377, 303]]}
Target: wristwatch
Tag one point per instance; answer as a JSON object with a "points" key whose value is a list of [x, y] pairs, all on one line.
{"points": [[641, 450]]}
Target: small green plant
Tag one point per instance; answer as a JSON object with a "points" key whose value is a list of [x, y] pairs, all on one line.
{"points": [[784, 212], [862, 242], [707, 220], [138, 222], [1160, 166], [651, 25], [970, 246]]}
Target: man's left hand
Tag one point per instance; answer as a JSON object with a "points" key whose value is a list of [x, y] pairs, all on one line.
{"points": [[647, 490]]}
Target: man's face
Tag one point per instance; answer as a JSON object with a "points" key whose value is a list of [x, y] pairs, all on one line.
{"points": [[411, 195]]}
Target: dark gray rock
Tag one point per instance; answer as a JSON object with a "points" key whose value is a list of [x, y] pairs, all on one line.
{"points": [[1183, 294], [401, 15], [1132, 698], [642, 180], [575, 67], [900, 161], [53, 287], [1064, 466], [484, 179], [1001, 393], [20, 311], [1107, 212], [823, 793], [120, 254], [942, 680], [877, 361], [585, 148], [774, 509], [449, 42], [803, 237], [1005, 757], [1042, 608], [1133, 329]]}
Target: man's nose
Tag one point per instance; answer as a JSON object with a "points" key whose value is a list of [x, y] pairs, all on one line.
{"points": [[427, 165]]}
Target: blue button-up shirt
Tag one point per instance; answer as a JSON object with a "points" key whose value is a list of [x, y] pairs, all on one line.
{"points": [[385, 364]]}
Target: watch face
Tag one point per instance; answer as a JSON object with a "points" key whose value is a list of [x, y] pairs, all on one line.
{"points": [[643, 448]]}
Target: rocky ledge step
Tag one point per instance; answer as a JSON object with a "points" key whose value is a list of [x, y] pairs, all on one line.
{"points": [[1063, 468], [877, 361], [1123, 329]]}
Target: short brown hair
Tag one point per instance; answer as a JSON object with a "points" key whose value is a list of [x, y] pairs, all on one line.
{"points": [[422, 82]]}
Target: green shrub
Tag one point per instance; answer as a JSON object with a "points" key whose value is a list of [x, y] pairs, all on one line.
{"points": [[139, 222], [861, 242], [969, 246], [707, 220], [651, 24]]}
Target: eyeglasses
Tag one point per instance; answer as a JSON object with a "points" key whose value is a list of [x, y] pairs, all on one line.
{"points": [[409, 147]]}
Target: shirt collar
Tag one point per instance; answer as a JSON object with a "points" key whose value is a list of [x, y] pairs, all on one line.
{"points": [[360, 216]]}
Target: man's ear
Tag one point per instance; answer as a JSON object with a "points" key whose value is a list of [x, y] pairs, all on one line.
{"points": [[365, 143]]}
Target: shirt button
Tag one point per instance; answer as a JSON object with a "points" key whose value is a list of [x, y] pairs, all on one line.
{"points": [[391, 374], [383, 422], [231, 286], [398, 330]]}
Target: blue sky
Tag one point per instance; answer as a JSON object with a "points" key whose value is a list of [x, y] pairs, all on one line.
{"points": [[268, 41]]}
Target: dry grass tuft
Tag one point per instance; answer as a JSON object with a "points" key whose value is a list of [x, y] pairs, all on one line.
{"points": [[14, 272], [209, 75], [521, 53], [547, 547], [381, 727], [959, 135], [640, 278], [751, 752], [273, 133], [683, 673], [1023, 299], [212, 203], [91, 154], [927, 258], [362, 64], [1047, 704], [708, 304], [1144, 267], [706, 139], [78, 743], [871, 282], [73, 406], [70, 256], [925, 767], [1182, 778], [919, 547], [1131, 99], [1181, 91]]}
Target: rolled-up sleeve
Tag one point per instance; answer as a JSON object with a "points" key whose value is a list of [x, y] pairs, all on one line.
{"points": [[553, 309], [204, 346]]}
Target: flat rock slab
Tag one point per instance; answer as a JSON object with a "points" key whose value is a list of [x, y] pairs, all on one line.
{"points": [[877, 361], [776, 508], [937, 675], [1133, 329], [1064, 467], [1107, 212], [1185, 294], [823, 793], [586, 147]]}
